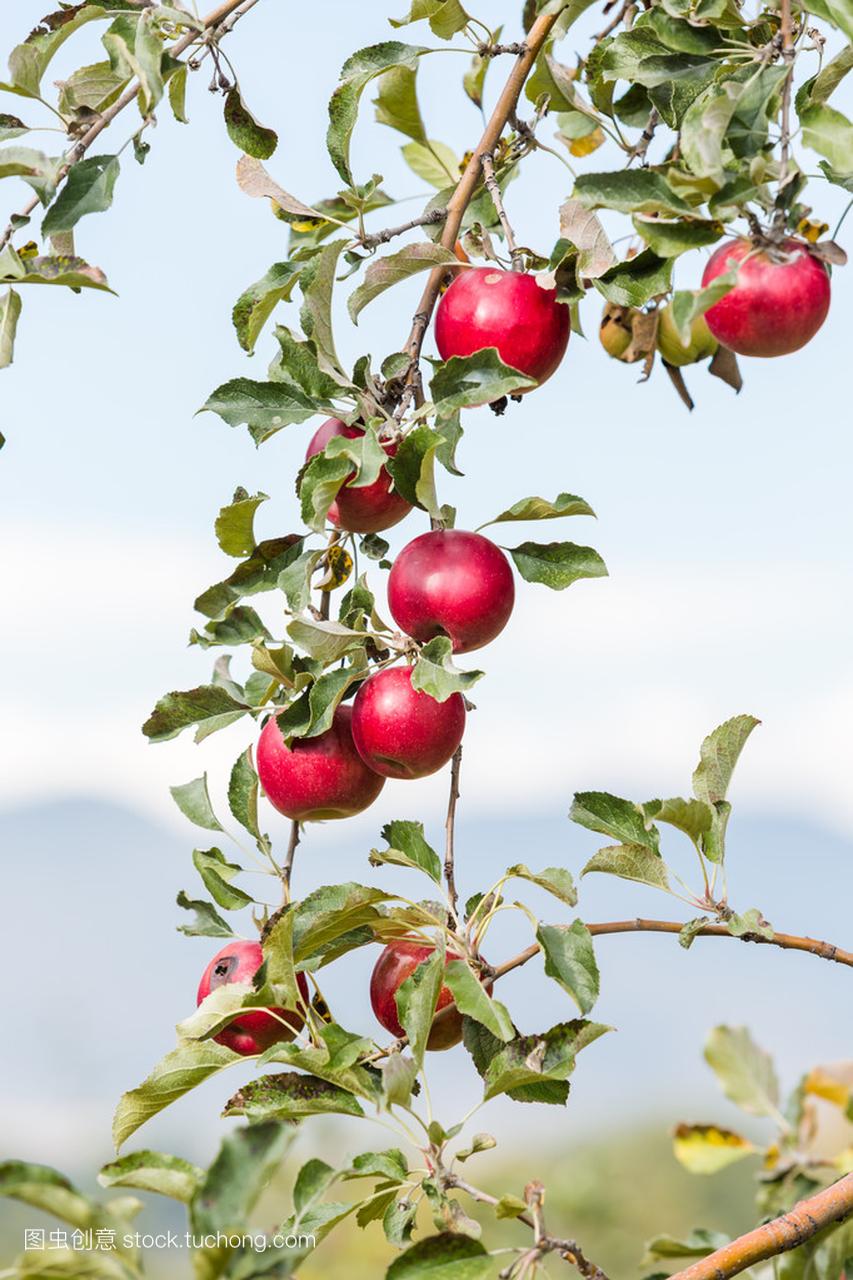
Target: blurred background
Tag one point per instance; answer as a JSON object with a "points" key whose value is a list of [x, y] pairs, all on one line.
{"points": [[727, 535]]}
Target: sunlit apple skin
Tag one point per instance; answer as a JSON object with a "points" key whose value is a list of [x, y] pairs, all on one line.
{"points": [[251, 1032], [702, 342], [775, 307], [396, 963], [485, 307], [365, 510], [400, 731], [449, 582], [317, 778]]}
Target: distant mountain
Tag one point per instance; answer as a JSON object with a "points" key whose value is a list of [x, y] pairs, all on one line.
{"points": [[99, 975]]}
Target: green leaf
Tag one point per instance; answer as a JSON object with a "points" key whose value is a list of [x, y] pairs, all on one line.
{"points": [[629, 191], [10, 311], [444, 1257], [522, 1067], [311, 1181], [178, 94], [821, 87], [398, 1079], [407, 847], [691, 930], [435, 673], [831, 133], [29, 61], [751, 923], [433, 161], [43, 1188], [317, 284], [397, 103], [668, 239], [216, 873], [256, 304], [416, 1001], [39, 171], [688, 304], [260, 572], [232, 1186], [473, 1000], [11, 127], [565, 504], [613, 816], [510, 1207], [555, 880], [135, 49], [445, 17], [693, 817], [413, 467], [325, 641], [718, 756], [319, 485], [570, 960], [636, 281], [235, 524], [244, 130], [398, 1222], [94, 88], [745, 1071], [386, 272], [69, 272], [243, 793], [209, 707], [389, 1164], [264, 407], [703, 130], [463, 382], [356, 74], [193, 800], [181, 1070], [698, 1245], [328, 913], [474, 80], [153, 1171], [289, 1095], [88, 189], [299, 364], [557, 564], [630, 862], [207, 922]]}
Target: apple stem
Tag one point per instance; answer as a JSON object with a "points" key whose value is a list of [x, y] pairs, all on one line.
{"points": [[450, 829]]}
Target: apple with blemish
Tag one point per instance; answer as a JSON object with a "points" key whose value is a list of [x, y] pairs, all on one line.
{"points": [[254, 1031]]}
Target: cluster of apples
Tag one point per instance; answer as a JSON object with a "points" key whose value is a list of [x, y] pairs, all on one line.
{"points": [[445, 582]]}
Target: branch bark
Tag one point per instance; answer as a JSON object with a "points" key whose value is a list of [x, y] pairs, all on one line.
{"points": [[217, 18], [287, 868], [788, 941], [794, 1228], [468, 184]]}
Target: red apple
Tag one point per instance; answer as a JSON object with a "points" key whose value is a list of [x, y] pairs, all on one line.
{"points": [[251, 1032], [400, 731], [368, 509], [778, 303], [486, 307], [396, 963], [453, 583], [317, 778]]}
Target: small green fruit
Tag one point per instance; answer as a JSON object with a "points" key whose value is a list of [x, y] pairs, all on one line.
{"points": [[702, 342], [615, 332]]}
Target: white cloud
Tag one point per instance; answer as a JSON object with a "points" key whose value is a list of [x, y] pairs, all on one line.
{"points": [[611, 684]]}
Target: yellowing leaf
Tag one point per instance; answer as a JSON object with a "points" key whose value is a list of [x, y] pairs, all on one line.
{"points": [[825, 1086], [812, 231], [704, 1148], [588, 143], [339, 568]]}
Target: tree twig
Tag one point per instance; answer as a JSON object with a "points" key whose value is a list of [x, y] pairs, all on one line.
{"points": [[450, 832], [215, 19], [805, 1220], [494, 191], [786, 33], [620, 15], [569, 1250], [382, 237], [465, 189]]}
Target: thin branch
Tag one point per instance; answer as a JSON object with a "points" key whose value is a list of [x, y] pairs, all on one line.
{"points": [[788, 55], [287, 867], [486, 50], [619, 17], [465, 189], [450, 830], [788, 941], [638, 152], [801, 1223], [214, 20], [494, 191], [569, 1250], [382, 237]]}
